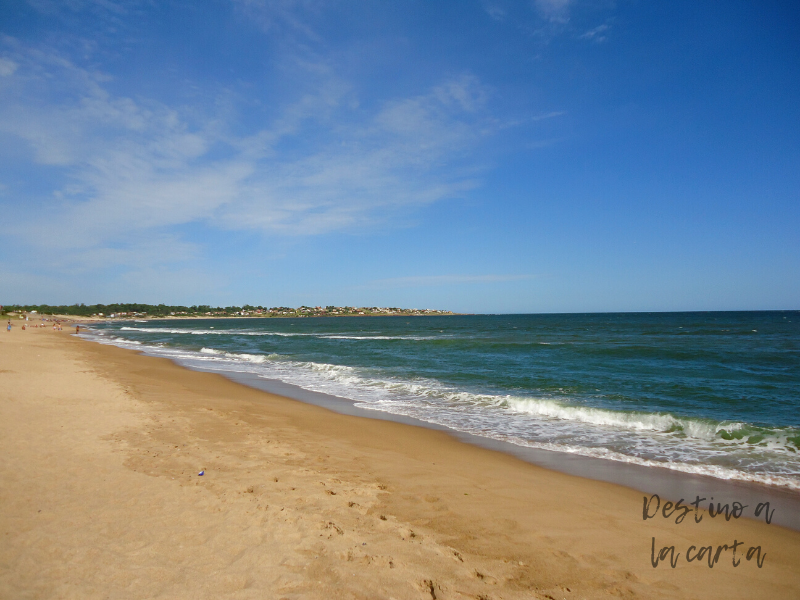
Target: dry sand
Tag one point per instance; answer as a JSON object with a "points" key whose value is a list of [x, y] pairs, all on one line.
{"points": [[100, 450]]}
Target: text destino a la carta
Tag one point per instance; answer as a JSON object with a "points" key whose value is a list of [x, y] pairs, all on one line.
{"points": [[652, 508]]}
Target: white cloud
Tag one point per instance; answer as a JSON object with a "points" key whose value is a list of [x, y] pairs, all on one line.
{"points": [[598, 34], [7, 67], [554, 10], [495, 11], [54, 7], [391, 160], [131, 169], [135, 251], [283, 15]]}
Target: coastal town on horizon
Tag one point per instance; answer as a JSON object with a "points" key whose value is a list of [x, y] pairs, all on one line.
{"points": [[162, 311]]}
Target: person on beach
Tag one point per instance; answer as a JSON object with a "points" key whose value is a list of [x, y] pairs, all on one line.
{"points": [[77, 329], [8, 327]]}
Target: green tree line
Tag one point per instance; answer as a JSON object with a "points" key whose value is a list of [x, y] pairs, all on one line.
{"points": [[87, 310]]}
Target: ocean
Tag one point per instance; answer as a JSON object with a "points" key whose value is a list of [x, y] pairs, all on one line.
{"points": [[712, 393]]}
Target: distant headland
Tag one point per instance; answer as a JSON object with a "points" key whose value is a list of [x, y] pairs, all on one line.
{"points": [[163, 311]]}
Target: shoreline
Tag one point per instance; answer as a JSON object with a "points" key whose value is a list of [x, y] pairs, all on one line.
{"points": [[306, 502], [672, 483], [669, 484]]}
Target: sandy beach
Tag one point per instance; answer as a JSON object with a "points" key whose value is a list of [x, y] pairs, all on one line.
{"points": [[100, 450]]}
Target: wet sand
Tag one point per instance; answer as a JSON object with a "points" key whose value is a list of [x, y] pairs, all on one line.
{"points": [[100, 450]]}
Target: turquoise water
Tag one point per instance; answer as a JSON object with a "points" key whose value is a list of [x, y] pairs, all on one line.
{"points": [[710, 393]]}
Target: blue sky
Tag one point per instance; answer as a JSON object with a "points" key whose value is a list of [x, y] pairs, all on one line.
{"points": [[479, 156]]}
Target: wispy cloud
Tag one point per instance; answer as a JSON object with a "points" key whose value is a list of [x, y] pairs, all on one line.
{"points": [[439, 280], [397, 157], [127, 179], [546, 20], [495, 11], [55, 7], [556, 11], [132, 167], [7, 67], [283, 16], [598, 34]]}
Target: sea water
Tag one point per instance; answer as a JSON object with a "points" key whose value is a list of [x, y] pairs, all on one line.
{"points": [[708, 393]]}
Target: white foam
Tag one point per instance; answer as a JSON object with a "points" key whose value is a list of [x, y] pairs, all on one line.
{"points": [[650, 439], [595, 416], [380, 337], [247, 332]]}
